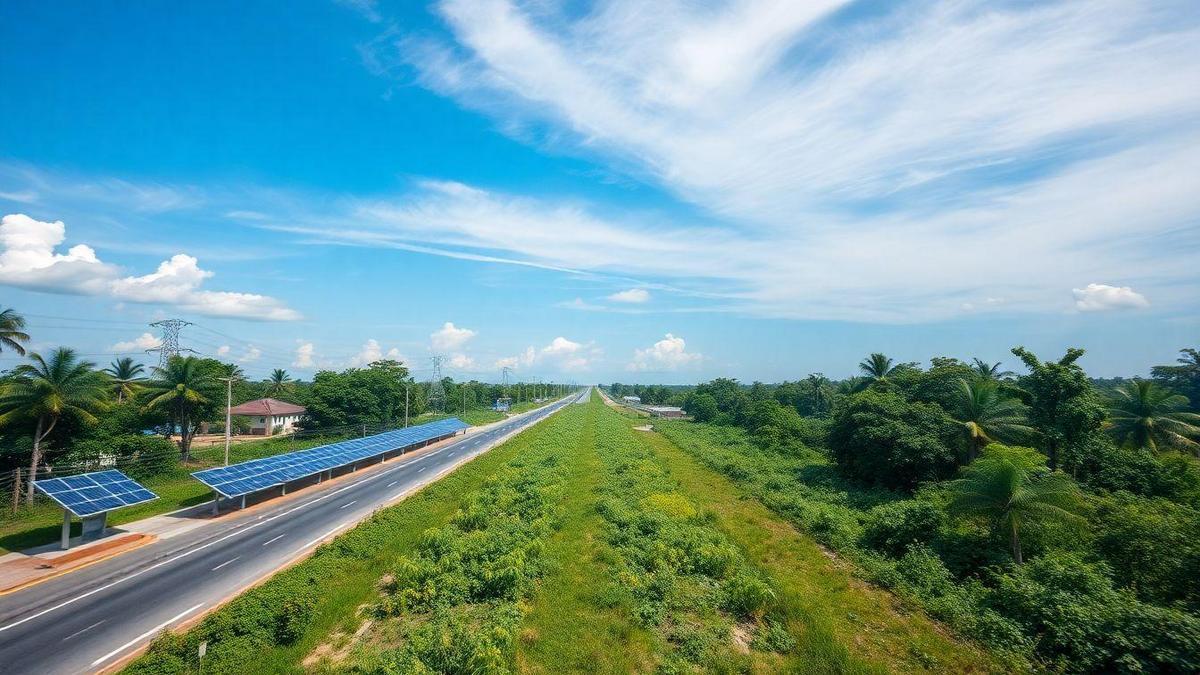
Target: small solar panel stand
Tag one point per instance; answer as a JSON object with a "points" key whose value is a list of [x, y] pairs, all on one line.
{"points": [[91, 496]]}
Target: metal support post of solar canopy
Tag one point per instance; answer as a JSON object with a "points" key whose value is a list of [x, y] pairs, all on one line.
{"points": [[66, 530]]}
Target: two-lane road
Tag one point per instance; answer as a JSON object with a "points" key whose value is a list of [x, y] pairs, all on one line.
{"points": [[88, 619]]}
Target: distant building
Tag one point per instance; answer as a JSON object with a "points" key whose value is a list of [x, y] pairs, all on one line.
{"points": [[664, 411], [632, 399], [269, 416]]}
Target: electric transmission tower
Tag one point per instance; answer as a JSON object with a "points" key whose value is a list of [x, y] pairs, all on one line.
{"points": [[169, 348], [437, 393]]}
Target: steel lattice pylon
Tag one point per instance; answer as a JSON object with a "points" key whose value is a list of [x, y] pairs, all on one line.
{"points": [[170, 340], [437, 393]]}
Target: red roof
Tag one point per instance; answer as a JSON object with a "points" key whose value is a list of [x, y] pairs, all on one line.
{"points": [[267, 406]]}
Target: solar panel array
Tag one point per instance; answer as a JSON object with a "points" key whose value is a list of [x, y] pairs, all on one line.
{"points": [[259, 474], [90, 493]]}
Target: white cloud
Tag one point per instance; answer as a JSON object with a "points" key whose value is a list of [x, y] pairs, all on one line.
{"points": [[847, 159], [223, 350], [28, 259], [449, 337], [522, 360], [139, 344], [567, 355], [669, 353], [461, 362], [305, 351], [1101, 297], [251, 354], [634, 295], [371, 351]]}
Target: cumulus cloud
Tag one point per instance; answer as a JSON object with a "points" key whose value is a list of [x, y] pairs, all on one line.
{"points": [[223, 350], [370, 351], [139, 344], [305, 351], [524, 359], [669, 353], [567, 355], [634, 295], [1101, 297], [251, 354], [450, 337], [461, 362], [28, 259]]}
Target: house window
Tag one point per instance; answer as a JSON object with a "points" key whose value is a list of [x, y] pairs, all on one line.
{"points": [[262, 420]]}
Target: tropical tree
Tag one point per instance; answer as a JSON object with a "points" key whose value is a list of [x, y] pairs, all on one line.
{"points": [[125, 375], [230, 370], [1183, 378], [990, 371], [1011, 489], [877, 367], [1063, 405], [279, 382], [184, 389], [46, 391], [988, 416], [11, 331], [1145, 415]]}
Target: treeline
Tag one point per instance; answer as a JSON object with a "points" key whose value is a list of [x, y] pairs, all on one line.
{"points": [[57, 409], [1038, 513], [654, 394]]}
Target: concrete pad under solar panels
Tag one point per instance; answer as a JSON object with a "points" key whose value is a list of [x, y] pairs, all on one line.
{"points": [[91, 496]]}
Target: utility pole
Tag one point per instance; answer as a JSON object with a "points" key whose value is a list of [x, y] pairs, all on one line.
{"points": [[228, 415], [170, 341]]}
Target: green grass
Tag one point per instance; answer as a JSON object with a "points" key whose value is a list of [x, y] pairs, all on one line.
{"points": [[243, 635]]}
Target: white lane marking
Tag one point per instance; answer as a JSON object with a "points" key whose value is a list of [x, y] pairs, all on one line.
{"points": [[322, 537], [422, 469], [145, 635], [348, 504], [392, 483], [271, 541], [241, 530], [226, 563], [81, 632]]}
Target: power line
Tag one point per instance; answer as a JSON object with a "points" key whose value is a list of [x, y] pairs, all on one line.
{"points": [[169, 348]]}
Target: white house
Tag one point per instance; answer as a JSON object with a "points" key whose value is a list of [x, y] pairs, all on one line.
{"points": [[269, 415]]}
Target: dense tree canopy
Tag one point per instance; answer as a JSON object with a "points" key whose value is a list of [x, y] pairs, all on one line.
{"points": [[879, 437]]}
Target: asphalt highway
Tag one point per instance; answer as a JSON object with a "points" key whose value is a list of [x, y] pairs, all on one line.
{"points": [[85, 620]]}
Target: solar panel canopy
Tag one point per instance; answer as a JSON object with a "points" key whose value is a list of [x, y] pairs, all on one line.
{"points": [[259, 474], [91, 493]]}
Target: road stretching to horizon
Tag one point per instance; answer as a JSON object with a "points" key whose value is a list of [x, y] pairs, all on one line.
{"points": [[88, 619]]}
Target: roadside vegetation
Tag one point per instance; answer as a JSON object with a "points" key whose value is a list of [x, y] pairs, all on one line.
{"points": [[1049, 517]]}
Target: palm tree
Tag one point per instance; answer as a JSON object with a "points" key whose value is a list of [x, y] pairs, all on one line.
{"points": [[988, 416], [990, 371], [877, 368], [1011, 489], [279, 382], [1145, 415], [125, 375], [182, 388], [822, 392], [232, 370], [11, 335], [45, 391]]}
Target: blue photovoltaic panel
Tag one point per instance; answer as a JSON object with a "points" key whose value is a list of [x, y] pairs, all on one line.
{"points": [[90, 493], [260, 474]]}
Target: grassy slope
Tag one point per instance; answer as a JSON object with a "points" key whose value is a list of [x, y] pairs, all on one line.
{"points": [[820, 593], [345, 570]]}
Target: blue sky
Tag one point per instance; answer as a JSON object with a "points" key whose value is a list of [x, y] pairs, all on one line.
{"points": [[656, 192]]}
